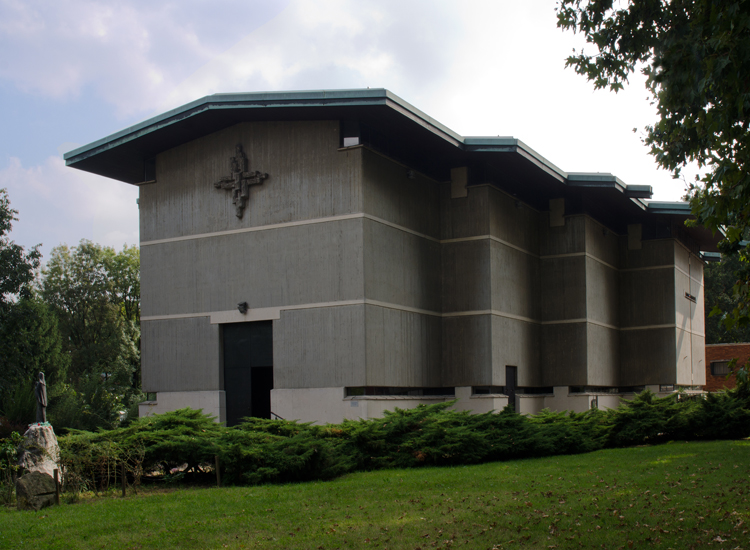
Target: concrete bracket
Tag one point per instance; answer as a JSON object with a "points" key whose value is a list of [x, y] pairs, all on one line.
{"points": [[557, 212], [635, 232], [459, 181]]}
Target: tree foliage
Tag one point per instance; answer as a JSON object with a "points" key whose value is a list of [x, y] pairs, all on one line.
{"points": [[29, 340], [695, 55], [95, 293], [720, 278], [17, 267]]}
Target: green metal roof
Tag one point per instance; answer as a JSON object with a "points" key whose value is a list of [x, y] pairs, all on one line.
{"points": [[422, 142], [321, 101]]}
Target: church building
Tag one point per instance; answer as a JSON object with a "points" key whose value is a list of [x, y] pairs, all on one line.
{"points": [[333, 254]]}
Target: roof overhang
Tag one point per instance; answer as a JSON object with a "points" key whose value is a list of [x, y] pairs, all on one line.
{"points": [[419, 140]]}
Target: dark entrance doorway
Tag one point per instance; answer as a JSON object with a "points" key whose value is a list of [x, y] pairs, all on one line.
{"points": [[248, 369], [511, 381]]}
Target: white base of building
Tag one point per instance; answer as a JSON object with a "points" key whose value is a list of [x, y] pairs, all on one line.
{"points": [[331, 406], [211, 402]]}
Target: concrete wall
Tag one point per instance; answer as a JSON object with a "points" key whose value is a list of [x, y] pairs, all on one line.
{"points": [[299, 244], [375, 276], [467, 350], [402, 348], [320, 347], [328, 405], [303, 264], [491, 288], [402, 278], [564, 348], [602, 305], [308, 179], [210, 402], [663, 334], [180, 355]]}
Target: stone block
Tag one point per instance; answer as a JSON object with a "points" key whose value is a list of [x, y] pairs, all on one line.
{"points": [[39, 451], [35, 490]]}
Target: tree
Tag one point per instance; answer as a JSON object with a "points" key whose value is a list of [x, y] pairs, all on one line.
{"points": [[695, 55], [27, 332], [95, 293], [720, 278], [30, 343], [17, 267]]}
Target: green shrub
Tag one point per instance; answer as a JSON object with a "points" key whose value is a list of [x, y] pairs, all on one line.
{"points": [[644, 419], [278, 451], [9, 466], [722, 415], [173, 440], [89, 461], [250, 457]]}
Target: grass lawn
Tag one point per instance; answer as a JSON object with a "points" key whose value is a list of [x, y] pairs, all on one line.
{"points": [[680, 495]]}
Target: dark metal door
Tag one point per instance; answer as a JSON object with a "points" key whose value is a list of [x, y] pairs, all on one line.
{"points": [[248, 369], [511, 380]]}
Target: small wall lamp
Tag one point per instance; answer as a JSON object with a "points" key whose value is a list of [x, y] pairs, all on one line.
{"points": [[242, 307]]}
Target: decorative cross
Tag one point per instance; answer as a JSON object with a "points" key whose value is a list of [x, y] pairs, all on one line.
{"points": [[240, 180]]}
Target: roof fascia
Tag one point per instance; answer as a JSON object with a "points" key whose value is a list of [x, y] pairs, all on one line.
{"points": [[258, 100], [677, 208]]}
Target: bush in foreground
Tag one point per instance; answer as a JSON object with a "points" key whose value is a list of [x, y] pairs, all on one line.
{"points": [[273, 451]]}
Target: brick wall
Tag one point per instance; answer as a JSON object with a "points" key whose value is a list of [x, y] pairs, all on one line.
{"points": [[724, 352]]}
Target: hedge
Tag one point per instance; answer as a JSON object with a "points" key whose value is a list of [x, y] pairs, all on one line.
{"points": [[186, 442]]}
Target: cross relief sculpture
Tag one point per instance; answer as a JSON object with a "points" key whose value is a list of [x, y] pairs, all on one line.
{"points": [[240, 180]]}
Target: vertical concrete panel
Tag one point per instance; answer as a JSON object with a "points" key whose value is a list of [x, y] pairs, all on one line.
{"points": [[602, 243], [563, 288], [647, 297], [180, 355], [401, 268], [681, 256], [683, 305], [513, 221], [319, 348], [390, 194], [464, 217], [403, 348], [466, 276], [563, 358], [699, 360], [652, 254], [515, 343], [684, 351], [566, 239], [467, 350], [602, 293], [698, 309], [648, 356], [603, 355], [287, 266], [515, 281], [308, 178]]}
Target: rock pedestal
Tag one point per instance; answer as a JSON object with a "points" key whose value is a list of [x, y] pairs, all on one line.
{"points": [[39, 451], [34, 491], [38, 457]]}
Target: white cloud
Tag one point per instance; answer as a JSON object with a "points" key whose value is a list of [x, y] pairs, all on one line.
{"points": [[129, 52], [60, 205], [329, 44], [482, 67]]}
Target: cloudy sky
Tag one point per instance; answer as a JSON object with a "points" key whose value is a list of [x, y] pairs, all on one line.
{"points": [[73, 71]]}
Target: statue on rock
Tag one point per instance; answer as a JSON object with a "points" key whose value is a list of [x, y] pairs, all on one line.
{"points": [[38, 456], [41, 399]]}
